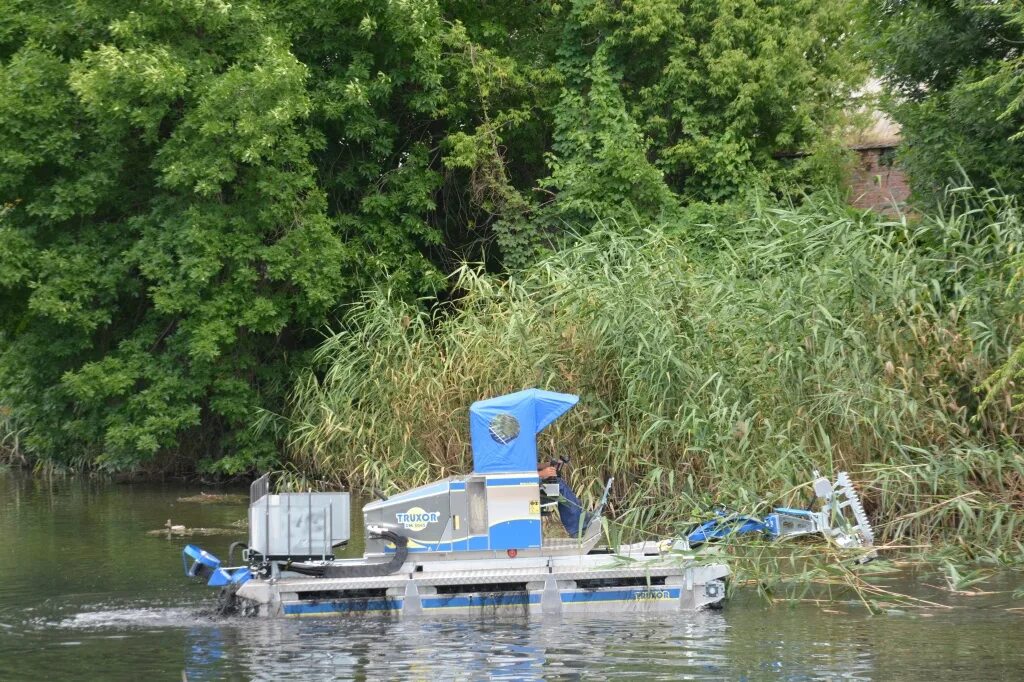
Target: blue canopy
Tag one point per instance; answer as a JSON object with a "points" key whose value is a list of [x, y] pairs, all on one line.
{"points": [[504, 430]]}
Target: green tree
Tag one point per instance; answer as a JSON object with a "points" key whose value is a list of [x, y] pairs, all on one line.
{"points": [[672, 101], [720, 88], [169, 240], [952, 75], [191, 189]]}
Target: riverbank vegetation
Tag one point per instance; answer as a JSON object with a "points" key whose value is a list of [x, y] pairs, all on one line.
{"points": [[722, 357]]}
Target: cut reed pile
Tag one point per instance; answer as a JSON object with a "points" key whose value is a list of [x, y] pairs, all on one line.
{"points": [[716, 361]]}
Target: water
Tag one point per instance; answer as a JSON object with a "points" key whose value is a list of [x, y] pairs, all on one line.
{"points": [[86, 595]]}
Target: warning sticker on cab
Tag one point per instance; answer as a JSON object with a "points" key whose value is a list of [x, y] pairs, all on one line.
{"points": [[534, 507]]}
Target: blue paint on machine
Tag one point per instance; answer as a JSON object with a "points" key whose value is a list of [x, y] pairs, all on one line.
{"points": [[473, 543], [503, 430], [525, 480], [344, 606], [516, 534], [638, 594], [497, 599], [418, 494]]}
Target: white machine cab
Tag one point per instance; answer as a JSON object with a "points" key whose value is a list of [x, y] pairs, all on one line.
{"points": [[498, 506]]}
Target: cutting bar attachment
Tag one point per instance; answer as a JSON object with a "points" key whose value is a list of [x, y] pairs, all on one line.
{"points": [[851, 499]]}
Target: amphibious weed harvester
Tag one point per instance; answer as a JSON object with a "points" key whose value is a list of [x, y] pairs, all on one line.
{"points": [[463, 543], [477, 541]]}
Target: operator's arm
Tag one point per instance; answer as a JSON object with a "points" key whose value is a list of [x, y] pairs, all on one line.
{"points": [[546, 471]]}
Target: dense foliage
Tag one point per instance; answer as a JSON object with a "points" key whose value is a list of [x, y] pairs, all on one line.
{"points": [[717, 360], [190, 189], [953, 71]]}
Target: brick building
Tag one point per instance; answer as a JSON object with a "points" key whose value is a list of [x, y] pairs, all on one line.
{"points": [[876, 180]]}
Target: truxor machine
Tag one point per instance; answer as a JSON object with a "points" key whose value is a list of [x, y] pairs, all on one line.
{"points": [[467, 542]]}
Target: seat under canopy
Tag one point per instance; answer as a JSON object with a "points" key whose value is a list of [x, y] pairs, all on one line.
{"points": [[503, 430]]}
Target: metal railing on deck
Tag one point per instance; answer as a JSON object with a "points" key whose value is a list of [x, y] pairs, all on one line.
{"points": [[259, 488]]}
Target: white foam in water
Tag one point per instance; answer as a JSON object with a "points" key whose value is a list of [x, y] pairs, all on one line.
{"points": [[134, 618]]}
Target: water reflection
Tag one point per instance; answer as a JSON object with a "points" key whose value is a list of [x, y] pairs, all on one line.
{"points": [[470, 649], [205, 655], [695, 646]]}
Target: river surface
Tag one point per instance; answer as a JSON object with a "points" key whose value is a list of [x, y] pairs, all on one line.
{"points": [[85, 594]]}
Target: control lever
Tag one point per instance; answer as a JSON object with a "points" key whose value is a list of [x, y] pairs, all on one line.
{"points": [[558, 464]]}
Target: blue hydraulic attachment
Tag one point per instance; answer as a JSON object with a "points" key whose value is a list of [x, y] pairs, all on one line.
{"points": [[840, 517], [723, 526], [201, 564]]}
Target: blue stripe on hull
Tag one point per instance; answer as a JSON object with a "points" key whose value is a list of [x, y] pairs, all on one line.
{"points": [[343, 606], [499, 599], [633, 594], [470, 600]]}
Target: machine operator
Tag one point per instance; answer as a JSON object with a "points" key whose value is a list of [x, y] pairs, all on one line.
{"points": [[570, 510]]}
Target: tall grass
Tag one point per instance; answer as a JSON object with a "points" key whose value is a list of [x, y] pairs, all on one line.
{"points": [[716, 361]]}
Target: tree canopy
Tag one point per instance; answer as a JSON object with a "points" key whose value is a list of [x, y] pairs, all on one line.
{"points": [[193, 189]]}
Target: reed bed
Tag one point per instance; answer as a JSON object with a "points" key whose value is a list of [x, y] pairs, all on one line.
{"points": [[718, 361], [10, 439]]}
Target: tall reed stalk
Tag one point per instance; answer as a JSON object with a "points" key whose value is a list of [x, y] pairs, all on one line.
{"points": [[10, 438], [721, 361]]}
